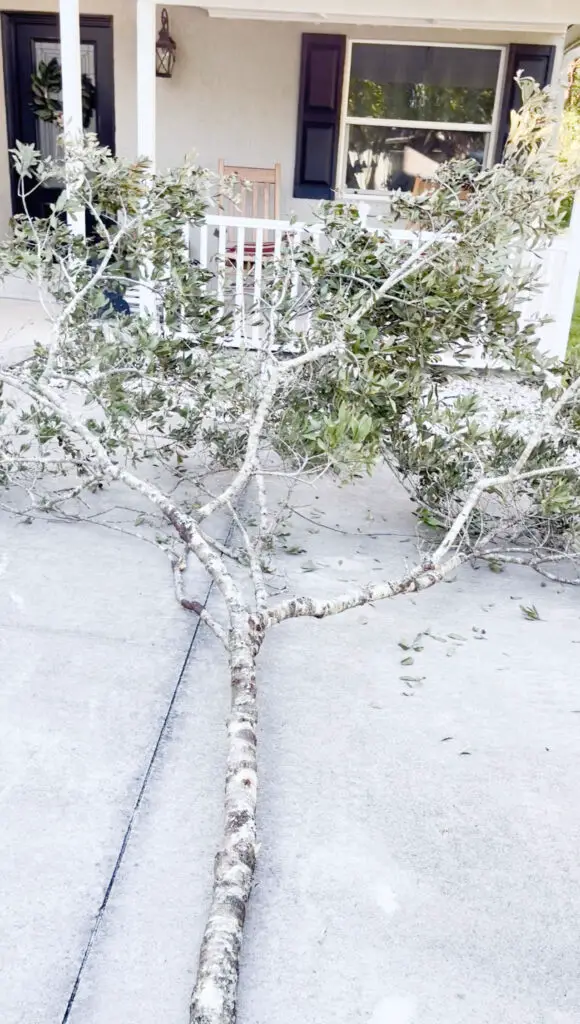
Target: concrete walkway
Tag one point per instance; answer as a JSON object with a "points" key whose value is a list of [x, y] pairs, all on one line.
{"points": [[419, 860], [91, 647], [23, 322]]}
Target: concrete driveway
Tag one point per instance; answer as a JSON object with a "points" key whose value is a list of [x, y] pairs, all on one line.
{"points": [[419, 859]]}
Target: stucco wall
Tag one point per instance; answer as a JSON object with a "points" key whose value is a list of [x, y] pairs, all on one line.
{"points": [[235, 88]]}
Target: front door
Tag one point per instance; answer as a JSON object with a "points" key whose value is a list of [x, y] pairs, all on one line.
{"points": [[30, 43]]}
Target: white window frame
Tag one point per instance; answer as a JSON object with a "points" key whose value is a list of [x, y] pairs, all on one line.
{"points": [[490, 129]]}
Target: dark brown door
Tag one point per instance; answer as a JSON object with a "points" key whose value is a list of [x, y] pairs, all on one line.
{"points": [[28, 40]]}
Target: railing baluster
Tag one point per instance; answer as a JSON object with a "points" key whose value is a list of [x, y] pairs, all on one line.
{"points": [[295, 239], [239, 286], [221, 262], [277, 243], [316, 233], [203, 239], [258, 265], [277, 252]]}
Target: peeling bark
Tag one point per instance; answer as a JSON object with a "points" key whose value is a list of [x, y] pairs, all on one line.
{"points": [[214, 996]]}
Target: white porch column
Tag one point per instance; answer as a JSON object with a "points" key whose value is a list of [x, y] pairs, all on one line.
{"points": [[70, 60], [146, 115], [72, 97], [564, 290], [146, 79]]}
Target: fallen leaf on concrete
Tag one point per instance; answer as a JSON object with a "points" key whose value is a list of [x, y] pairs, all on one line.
{"points": [[434, 636], [412, 680], [530, 612]]}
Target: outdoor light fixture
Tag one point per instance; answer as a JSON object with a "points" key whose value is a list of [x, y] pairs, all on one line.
{"points": [[165, 48]]}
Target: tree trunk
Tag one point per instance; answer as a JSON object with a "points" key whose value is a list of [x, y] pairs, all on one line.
{"points": [[214, 995]]}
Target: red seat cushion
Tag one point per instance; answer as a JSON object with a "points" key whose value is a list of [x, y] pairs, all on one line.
{"points": [[268, 249]]}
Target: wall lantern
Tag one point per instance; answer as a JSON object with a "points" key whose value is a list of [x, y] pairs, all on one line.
{"points": [[165, 48]]}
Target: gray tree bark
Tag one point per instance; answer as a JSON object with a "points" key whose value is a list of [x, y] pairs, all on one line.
{"points": [[214, 996]]}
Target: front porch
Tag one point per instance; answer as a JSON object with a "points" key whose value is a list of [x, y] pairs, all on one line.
{"points": [[308, 90], [348, 103]]}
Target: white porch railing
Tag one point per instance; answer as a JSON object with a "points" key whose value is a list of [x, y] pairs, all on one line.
{"points": [[237, 249], [559, 273]]}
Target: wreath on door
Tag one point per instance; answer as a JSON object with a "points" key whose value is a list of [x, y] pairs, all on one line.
{"points": [[46, 85]]}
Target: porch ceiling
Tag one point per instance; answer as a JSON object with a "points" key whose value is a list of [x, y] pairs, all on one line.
{"points": [[520, 15]]}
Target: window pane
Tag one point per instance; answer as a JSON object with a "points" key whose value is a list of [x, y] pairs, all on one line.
{"points": [[423, 83], [384, 158]]}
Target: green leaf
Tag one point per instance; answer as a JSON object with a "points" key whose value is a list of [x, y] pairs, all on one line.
{"points": [[530, 612], [429, 519]]}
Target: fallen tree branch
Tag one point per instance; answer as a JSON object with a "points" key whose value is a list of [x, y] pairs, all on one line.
{"points": [[179, 565], [532, 561], [214, 996], [420, 578]]}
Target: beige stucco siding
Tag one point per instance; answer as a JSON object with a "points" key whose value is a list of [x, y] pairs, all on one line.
{"points": [[235, 88]]}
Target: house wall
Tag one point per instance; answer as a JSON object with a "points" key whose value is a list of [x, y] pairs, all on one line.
{"points": [[234, 93]]}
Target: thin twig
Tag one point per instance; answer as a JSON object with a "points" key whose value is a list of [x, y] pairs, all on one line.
{"points": [[179, 566]]}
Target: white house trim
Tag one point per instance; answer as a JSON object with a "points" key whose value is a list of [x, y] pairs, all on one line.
{"points": [[378, 20], [146, 79]]}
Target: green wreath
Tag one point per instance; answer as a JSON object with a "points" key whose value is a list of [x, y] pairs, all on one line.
{"points": [[46, 85]]}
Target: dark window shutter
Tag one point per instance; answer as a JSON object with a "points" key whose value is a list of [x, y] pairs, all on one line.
{"points": [[319, 102], [534, 62]]}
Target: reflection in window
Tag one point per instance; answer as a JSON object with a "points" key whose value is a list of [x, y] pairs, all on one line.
{"points": [[390, 158], [449, 91]]}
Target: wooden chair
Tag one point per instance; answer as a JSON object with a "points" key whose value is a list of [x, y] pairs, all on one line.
{"points": [[422, 185], [259, 196]]}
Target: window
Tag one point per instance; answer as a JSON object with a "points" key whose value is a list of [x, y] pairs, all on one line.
{"points": [[410, 107]]}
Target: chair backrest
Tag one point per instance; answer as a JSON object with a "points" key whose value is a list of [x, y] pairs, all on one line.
{"points": [[261, 195]]}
